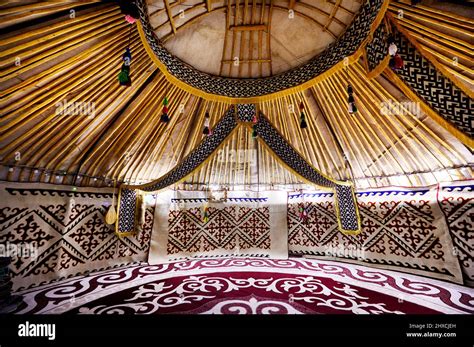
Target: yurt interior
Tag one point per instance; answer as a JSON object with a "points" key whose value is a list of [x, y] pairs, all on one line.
{"points": [[236, 166]]}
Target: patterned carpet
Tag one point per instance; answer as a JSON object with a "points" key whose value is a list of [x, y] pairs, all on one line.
{"points": [[249, 286]]}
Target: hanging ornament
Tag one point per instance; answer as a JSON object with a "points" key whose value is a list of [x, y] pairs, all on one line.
{"points": [[206, 131], [164, 112], [352, 108], [254, 126], [303, 124], [127, 56], [395, 62], [351, 101], [392, 49], [111, 215], [303, 214], [254, 131], [124, 76]]}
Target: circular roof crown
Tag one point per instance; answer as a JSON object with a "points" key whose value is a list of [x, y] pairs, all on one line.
{"points": [[233, 89]]}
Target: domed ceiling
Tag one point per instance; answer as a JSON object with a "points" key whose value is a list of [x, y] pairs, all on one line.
{"points": [[249, 38], [244, 69], [70, 52]]}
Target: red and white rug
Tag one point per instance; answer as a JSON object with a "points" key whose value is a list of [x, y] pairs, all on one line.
{"points": [[249, 286]]}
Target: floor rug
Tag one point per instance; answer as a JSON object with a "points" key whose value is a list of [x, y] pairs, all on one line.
{"points": [[249, 286]]}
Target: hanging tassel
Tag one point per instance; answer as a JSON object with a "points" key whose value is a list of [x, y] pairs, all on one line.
{"points": [[164, 118], [351, 101], [164, 112], [398, 62], [352, 108], [395, 62], [111, 215], [254, 131], [392, 49], [127, 57], [206, 130], [205, 216], [124, 76], [254, 126], [303, 124], [303, 214]]}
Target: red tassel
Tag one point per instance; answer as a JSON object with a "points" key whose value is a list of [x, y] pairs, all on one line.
{"points": [[398, 62]]}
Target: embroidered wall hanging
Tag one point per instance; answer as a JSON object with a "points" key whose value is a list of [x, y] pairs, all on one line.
{"points": [[457, 203], [402, 229], [193, 224], [55, 232]]}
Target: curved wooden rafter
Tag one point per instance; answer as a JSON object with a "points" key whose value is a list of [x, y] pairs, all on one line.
{"points": [[457, 117], [236, 90], [299, 12], [345, 202], [126, 142]]}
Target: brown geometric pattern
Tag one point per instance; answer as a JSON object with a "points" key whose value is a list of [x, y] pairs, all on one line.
{"points": [[68, 230], [195, 224], [402, 229], [233, 227]]}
